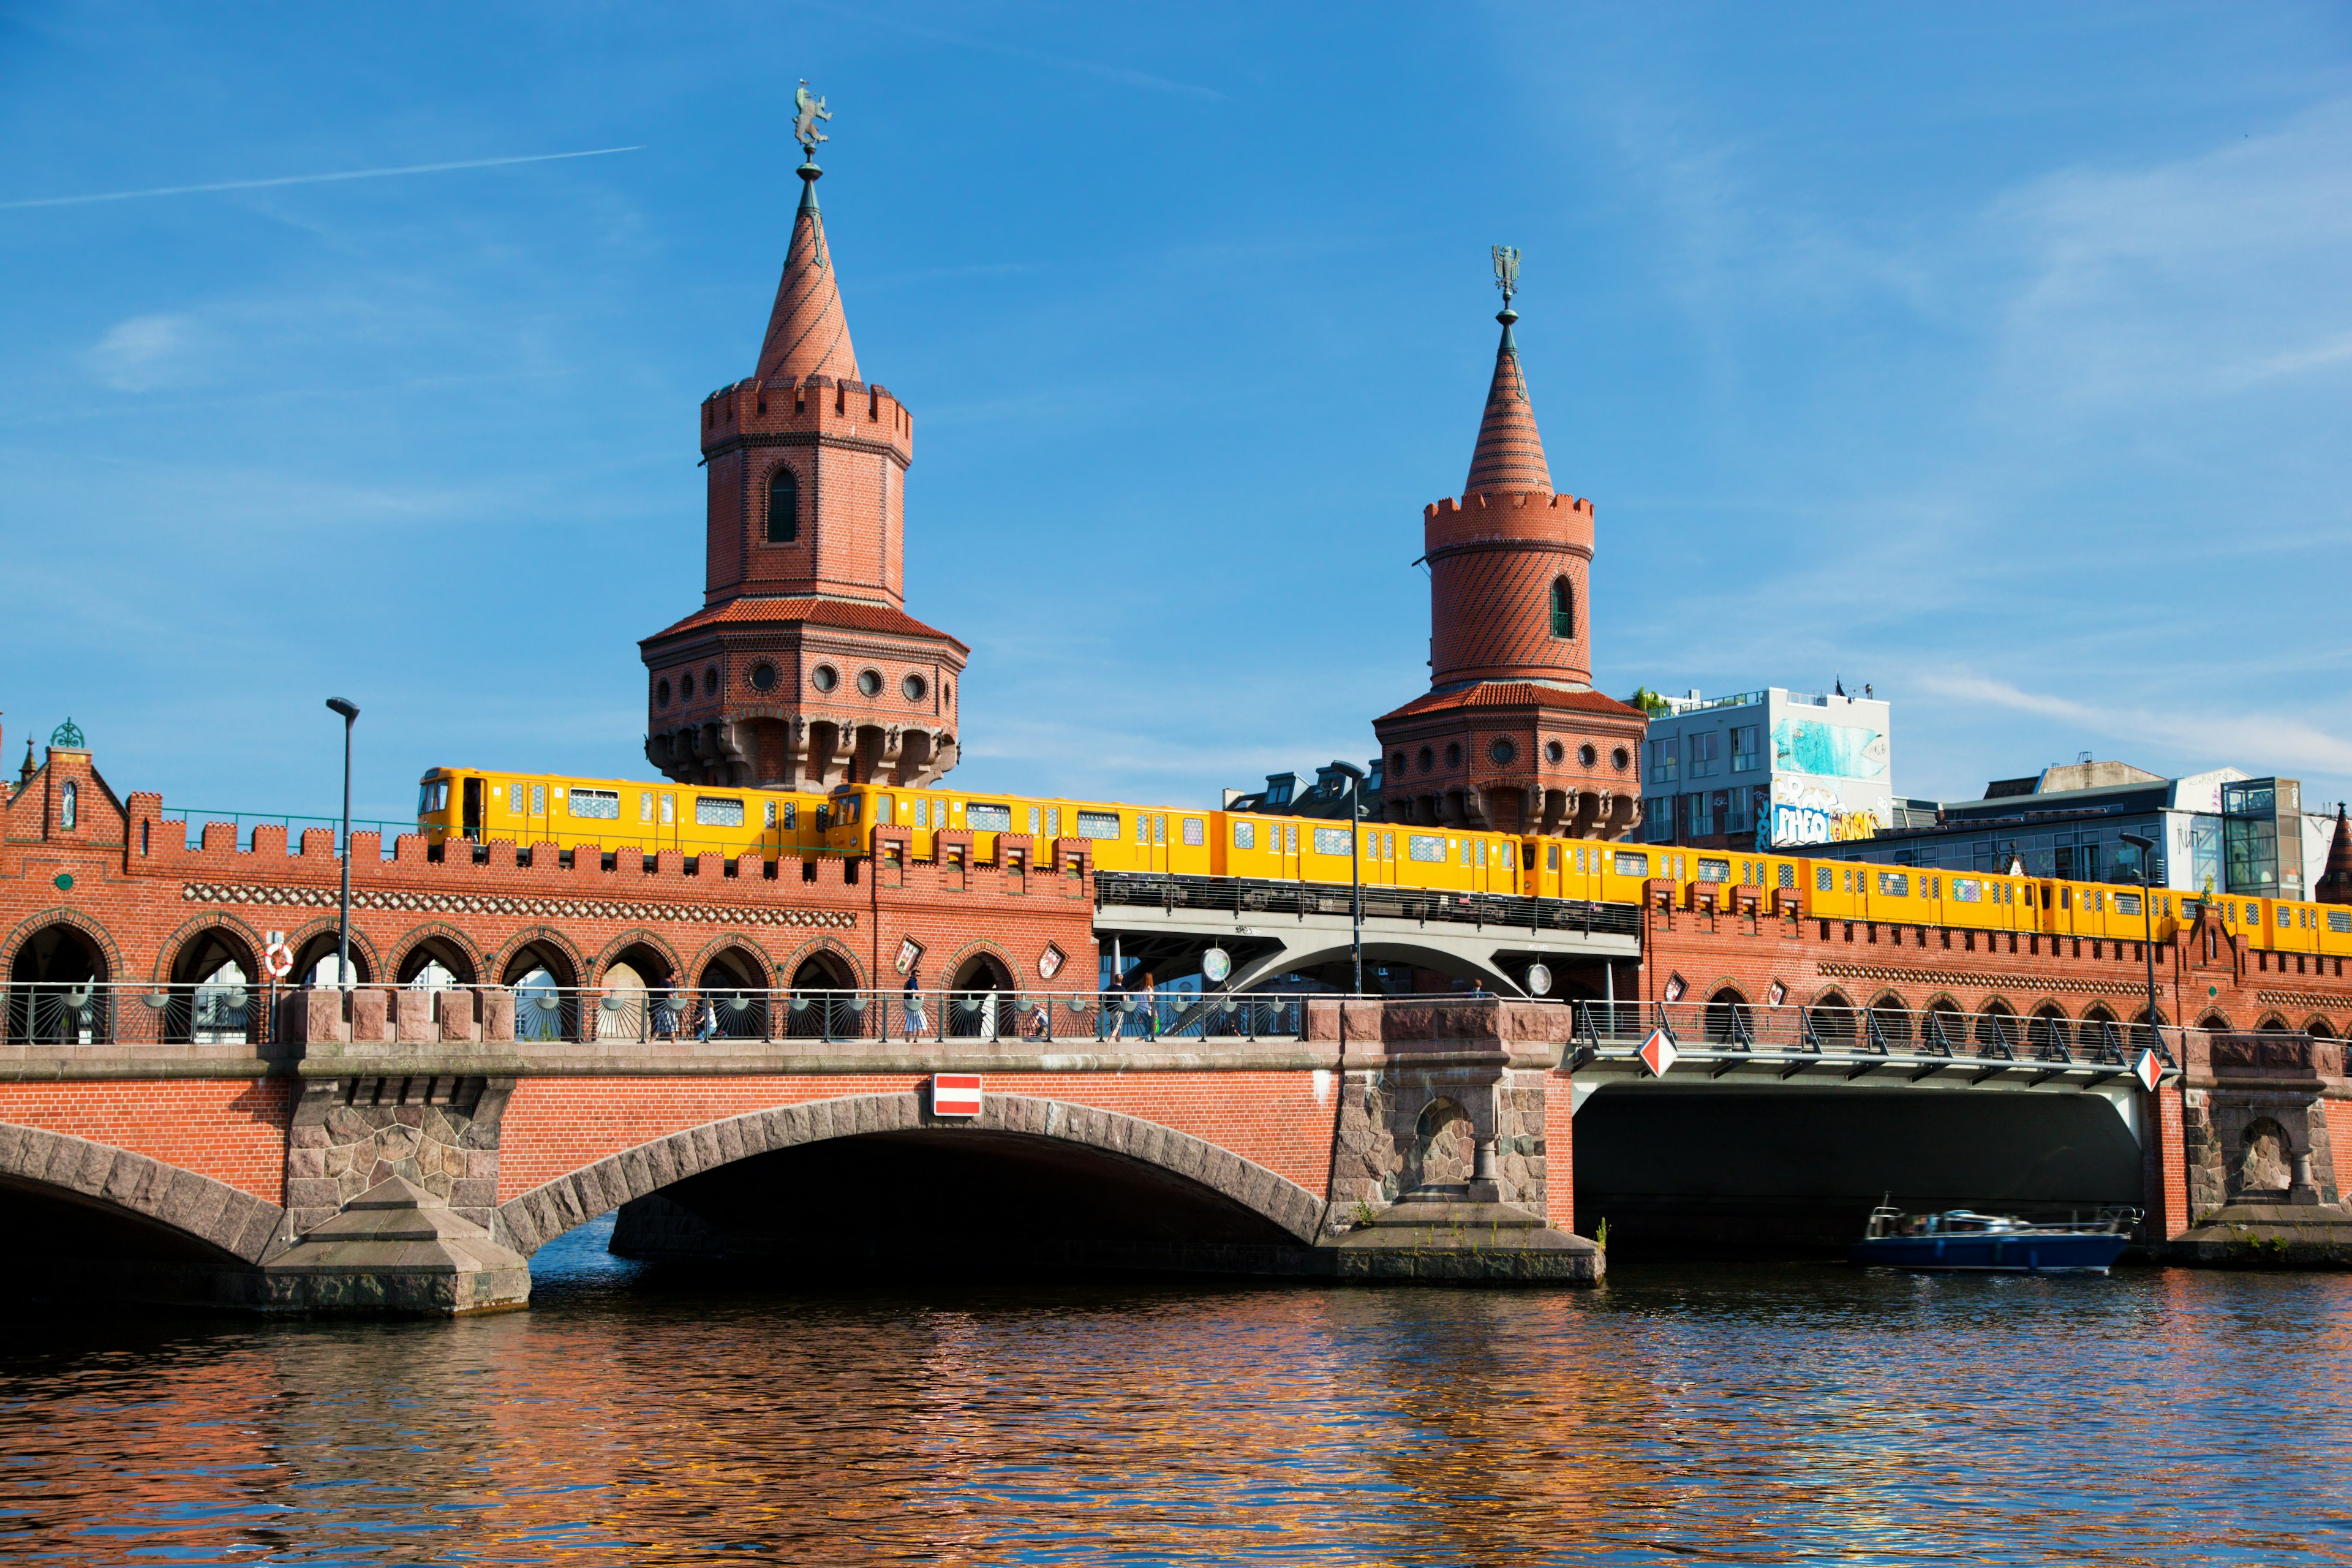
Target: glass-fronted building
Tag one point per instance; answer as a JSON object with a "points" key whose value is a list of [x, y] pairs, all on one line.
{"points": [[1770, 769]]}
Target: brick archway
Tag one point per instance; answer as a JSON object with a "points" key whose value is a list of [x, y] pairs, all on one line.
{"points": [[235, 1224], [530, 1220]]}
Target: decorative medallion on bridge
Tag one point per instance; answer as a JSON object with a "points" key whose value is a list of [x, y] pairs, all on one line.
{"points": [[2149, 1070], [1216, 965], [1658, 1053], [1538, 980], [955, 1094], [1050, 962]]}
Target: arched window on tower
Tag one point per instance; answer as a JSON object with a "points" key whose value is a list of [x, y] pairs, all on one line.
{"points": [[1563, 608], [784, 507]]}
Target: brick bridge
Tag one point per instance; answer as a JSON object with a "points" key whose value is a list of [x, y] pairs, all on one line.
{"points": [[169, 1130]]}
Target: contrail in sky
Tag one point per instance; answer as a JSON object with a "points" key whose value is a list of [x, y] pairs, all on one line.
{"points": [[309, 179]]}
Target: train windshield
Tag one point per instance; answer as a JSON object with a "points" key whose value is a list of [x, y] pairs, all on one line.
{"points": [[432, 795]]}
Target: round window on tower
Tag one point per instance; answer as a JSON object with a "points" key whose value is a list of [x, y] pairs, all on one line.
{"points": [[1453, 754], [661, 693], [685, 684], [824, 678], [1619, 758], [914, 686], [1587, 755], [1554, 751], [1503, 752], [764, 677], [869, 681]]}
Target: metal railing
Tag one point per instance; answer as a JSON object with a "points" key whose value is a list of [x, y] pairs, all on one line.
{"points": [[1248, 896], [90, 1014], [1727, 1031], [195, 818], [97, 1014]]}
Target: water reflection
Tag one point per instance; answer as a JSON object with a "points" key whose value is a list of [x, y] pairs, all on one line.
{"points": [[1741, 1415]]}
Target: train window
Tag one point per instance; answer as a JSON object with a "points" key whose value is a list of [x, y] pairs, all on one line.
{"points": [[718, 810], [988, 816], [1196, 832], [1463, 845], [1427, 848], [538, 800], [1551, 857], [604, 804], [1033, 820], [1821, 875], [1159, 829], [1388, 846], [2340, 921], [1894, 885], [1292, 847], [645, 806], [1527, 856], [768, 812], [791, 813], [1714, 870], [881, 811], [1244, 834], [1630, 865], [2126, 903], [1788, 875], [1330, 841], [1098, 824], [1052, 822], [1966, 890], [668, 808]]}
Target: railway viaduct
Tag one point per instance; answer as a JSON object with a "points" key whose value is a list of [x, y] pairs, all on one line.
{"points": [[166, 1130]]}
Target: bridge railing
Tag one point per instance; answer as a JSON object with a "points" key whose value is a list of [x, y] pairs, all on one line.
{"points": [[96, 1014], [1726, 1028], [1251, 896]]}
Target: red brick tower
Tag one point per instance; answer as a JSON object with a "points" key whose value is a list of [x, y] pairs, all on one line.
{"points": [[1512, 736], [2334, 884], [802, 669]]}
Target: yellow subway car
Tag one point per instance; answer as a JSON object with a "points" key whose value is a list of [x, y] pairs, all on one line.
{"points": [[616, 813]]}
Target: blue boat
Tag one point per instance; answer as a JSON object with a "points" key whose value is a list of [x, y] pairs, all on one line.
{"points": [[1963, 1241]]}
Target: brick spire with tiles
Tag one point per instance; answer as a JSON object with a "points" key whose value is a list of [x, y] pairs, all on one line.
{"points": [[2334, 885], [803, 670], [1511, 736]]}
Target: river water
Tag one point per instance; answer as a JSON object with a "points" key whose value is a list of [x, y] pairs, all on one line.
{"points": [[1711, 1413]]}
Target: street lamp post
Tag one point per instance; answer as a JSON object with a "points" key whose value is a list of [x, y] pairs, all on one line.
{"points": [[350, 711], [1356, 866], [2147, 847]]}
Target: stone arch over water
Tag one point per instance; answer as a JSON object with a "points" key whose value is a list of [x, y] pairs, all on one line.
{"points": [[1264, 1206]]}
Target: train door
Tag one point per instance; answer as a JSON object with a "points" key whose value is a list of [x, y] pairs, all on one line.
{"points": [[473, 809], [1152, 840], [1282, 837]]}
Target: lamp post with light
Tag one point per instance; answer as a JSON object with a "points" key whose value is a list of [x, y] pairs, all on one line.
{"points": [[351, 713], [1355, 866], [2147, 847]]}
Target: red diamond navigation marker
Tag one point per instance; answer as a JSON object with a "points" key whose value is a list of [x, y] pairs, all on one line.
{"points": [[2149, 1070], [1658, 1053]]}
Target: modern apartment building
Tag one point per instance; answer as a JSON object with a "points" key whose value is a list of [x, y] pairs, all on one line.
{"points": [[1775, 768]]}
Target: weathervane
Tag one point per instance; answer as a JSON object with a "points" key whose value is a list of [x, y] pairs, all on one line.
{"points": [[1507, 276], [807, 111]]}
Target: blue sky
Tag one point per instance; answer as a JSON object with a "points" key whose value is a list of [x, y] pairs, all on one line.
{"points": [[1997, 355]]}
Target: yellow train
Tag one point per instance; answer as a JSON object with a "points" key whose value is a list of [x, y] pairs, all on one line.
{"points": [[624, 814]]}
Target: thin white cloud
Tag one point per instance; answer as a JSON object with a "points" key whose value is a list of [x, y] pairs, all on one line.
{"points": [[306, 179], [144, 352], [2258, 740]]}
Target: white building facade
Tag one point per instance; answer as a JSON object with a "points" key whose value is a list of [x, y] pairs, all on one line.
{"points": [[1771, 770]]}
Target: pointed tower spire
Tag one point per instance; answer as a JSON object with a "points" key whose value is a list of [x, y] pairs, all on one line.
{"points": [[2335, 883], [807, 334], [1509, 457]]}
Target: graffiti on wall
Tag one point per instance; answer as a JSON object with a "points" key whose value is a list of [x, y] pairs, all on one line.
{"points": [[1828, 751], [1804, 814]]}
